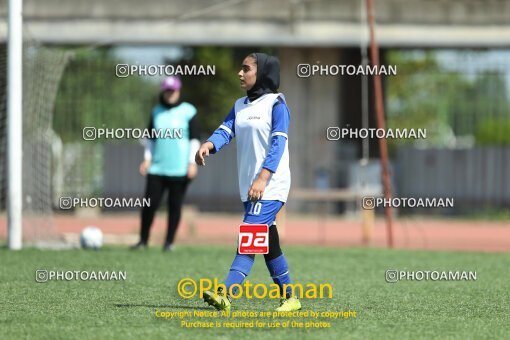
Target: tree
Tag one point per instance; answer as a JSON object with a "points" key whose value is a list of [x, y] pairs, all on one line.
{"points": [[447, 102], [90, 94]]}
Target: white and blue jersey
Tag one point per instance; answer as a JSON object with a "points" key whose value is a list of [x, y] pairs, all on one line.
{"points": [[261, 130]]}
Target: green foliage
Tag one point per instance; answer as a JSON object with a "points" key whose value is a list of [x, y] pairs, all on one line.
{"points": [[91, 95], [215, 95], [447, 103], [493, 132]]}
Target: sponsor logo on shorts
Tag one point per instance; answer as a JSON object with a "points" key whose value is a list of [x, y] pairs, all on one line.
{"points": [[253, 239]]}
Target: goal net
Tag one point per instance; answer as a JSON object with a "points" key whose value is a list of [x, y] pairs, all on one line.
{"points": [[42, 70]]}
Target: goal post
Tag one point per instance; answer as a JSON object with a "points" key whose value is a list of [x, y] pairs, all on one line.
{"points": [[14, 123], [28, 91]]}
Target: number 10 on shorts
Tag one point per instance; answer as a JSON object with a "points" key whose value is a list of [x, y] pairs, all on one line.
{"points": [[253, 239]]}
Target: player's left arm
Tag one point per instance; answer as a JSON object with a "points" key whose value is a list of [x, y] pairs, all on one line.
{"points": [[279, 135]]}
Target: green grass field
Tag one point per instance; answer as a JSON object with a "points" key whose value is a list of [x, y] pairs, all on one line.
{"points": [[126, 309]]}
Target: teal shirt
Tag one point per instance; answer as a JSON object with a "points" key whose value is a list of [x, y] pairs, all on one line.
{"points": [[170, 156]]}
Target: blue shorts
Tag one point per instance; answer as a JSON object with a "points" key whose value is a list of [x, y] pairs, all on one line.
{"points": [[261, 212]]}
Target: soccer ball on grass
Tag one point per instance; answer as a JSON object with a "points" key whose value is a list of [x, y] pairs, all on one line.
{"points": [[91, 238]]}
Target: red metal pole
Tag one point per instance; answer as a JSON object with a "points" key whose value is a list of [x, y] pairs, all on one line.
{"points": [[379, 107]]}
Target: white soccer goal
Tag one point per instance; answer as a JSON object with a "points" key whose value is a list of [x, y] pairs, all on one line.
{"points": [[27, 98]]}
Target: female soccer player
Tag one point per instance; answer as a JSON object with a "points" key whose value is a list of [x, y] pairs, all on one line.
{"points": [[169, 162], [260, 123]]}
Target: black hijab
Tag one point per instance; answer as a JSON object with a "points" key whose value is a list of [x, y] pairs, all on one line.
{"points": [[268, 76], [166, 105]]}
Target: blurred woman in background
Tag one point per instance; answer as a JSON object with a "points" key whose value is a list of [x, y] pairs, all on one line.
{"points": [[169, 163]]}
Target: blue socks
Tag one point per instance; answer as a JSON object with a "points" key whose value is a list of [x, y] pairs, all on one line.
{"points": [[239, 270], [279, 270], [241, 267]]}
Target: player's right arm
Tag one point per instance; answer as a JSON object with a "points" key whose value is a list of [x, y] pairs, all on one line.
{"points": [[203, 152], [220, 137]]}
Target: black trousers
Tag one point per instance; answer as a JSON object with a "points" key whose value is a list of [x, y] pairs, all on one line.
{"points": [[156, 186]]}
